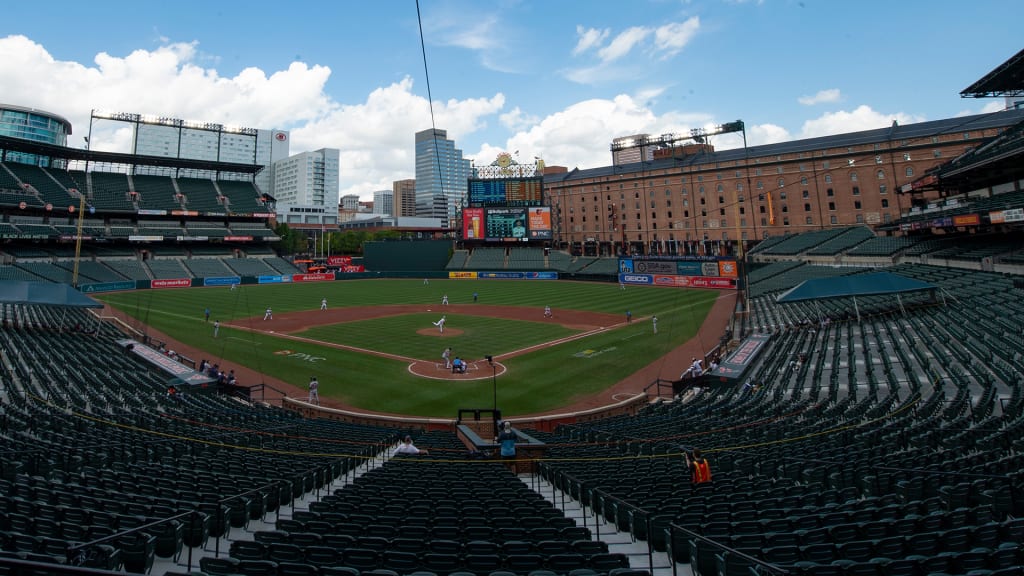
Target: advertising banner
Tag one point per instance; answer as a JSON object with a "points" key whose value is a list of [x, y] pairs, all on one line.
{"points": [[339, 260], [689, 268], [473, 223], [272, 279], [462, 275], [193, 238], [636, 278], [171, 283], [709, 269], [135, 238], [107, 286], [238, 238], [539, 223], [967, 220], [353, 268], [626, 266], [728, 269], [151, 212], [222, 281], [742, 358], [696, 282], [654, 267], [1012, 215], [315, 277], [518, 275]]}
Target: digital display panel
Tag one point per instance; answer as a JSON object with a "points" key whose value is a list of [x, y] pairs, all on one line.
{"points": [[506, 224], [505, 193], [539, 223]]}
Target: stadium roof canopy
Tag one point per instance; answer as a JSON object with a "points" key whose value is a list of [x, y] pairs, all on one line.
{"points": [[877, 283], [44, 294], [1007, 79], [62, 152]]}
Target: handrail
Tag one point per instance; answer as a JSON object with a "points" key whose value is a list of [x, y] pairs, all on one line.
{"points": [[674, 528]]}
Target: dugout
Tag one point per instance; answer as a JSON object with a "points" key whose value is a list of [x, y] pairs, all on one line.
{"points": [[407, 255]]}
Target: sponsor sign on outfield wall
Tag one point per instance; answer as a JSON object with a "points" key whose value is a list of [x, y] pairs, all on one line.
{"points": [[693, 281], [171, 283], [273, 279], [107, 286], [636, 278], [462, 275], [222, 281], [518, 275], [318, 277]]}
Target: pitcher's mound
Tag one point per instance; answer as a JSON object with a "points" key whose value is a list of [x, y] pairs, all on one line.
{"points": [[448, 332]]}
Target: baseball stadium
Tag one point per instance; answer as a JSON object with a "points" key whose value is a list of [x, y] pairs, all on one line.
{"points": [[182, 395]]}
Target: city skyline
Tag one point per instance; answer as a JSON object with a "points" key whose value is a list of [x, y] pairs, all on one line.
{"points": [[544, 80]]}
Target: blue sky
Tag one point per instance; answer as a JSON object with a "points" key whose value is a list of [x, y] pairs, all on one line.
{"points": [[554, 79]]}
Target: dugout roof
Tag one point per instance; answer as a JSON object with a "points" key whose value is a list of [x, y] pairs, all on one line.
{"points": [[852, 286], [44, 294]]}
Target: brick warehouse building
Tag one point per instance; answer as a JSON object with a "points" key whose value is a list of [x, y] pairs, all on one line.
{"points": [[692, 199]]}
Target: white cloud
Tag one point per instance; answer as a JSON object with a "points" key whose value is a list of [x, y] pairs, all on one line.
{"points": [[671, 38], [589, 38], [516, 119], [860, 118], [375, 137], [829, 95], [579, 135], [623, 43]]}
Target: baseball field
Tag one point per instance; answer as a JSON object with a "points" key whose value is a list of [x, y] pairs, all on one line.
{"points": [[378, 347]]}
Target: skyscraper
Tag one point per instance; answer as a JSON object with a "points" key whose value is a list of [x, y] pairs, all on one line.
{"points": [[441, 175]]}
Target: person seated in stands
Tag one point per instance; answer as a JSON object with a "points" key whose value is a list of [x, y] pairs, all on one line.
{"points": [[407, 447]]}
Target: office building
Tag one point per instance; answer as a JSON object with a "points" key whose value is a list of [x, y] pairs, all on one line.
{"points": [[403, 197], [441, 175], [383, 202]]}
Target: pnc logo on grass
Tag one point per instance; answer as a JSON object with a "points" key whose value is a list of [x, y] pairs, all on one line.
{"points": [[299, 355]]}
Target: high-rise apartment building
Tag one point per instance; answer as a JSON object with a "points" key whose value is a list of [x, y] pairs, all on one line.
{"points": [[383, 202], [441, 175], [308, 178], [403, 197]]}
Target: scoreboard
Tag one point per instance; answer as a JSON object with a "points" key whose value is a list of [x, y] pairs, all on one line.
{"points": [[505, 193]]}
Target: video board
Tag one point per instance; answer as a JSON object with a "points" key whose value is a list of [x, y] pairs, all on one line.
{"points": [[507, 224], [501, 193]]}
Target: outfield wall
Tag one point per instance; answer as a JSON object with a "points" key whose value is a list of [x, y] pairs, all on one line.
{"points": [[407, 255]]}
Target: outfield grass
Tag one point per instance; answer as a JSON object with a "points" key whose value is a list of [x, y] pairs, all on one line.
{"points": [[541, 380]]}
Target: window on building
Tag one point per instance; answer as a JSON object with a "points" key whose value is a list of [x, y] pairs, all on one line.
{"points": [[834, 219], [860, 218], [785, 208], [803, 180], [832, 206], [805, 194], [936, 153], [807, 207], [885, 202], [824, 165], [906, 156], [883, 189], [887, 218], [764, 222], [828, 178], [785, 221], [880, 174], [910, 171], [856, 204], [878, 159], [760, 185], [853, 176], [856, 190], [782, 195], [782, 182], [721, 211], [809, 221], [763, 210], [721, 199]]}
